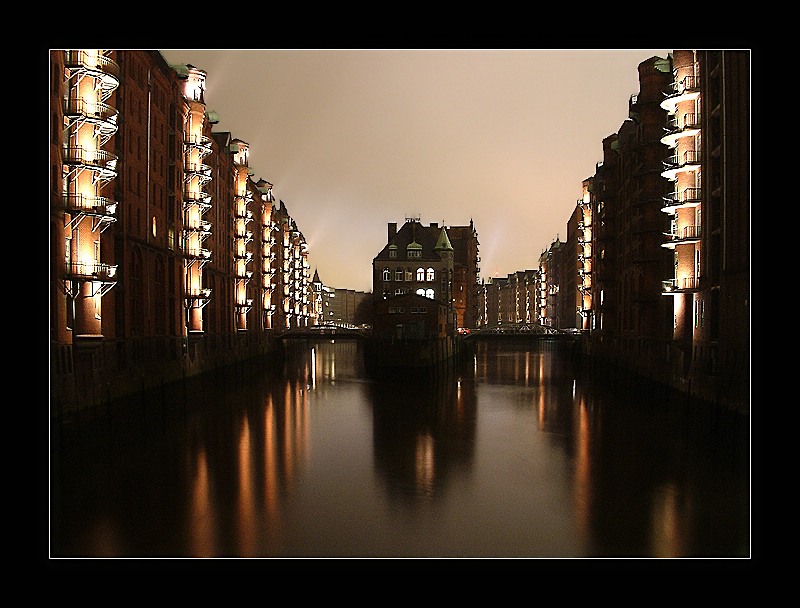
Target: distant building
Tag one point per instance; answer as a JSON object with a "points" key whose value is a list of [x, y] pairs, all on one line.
{"points": [[549, 284], [509, 300], [466, 273], [417, 260]]}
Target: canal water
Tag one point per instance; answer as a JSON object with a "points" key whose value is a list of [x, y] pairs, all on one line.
{"points": [[511, 455]]}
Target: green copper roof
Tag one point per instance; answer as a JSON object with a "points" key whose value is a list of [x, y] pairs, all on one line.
{"points": [[444, 241]]}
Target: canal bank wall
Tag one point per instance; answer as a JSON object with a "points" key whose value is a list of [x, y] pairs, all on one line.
{"points": [[431, 356], [645, 364], [85, 382]]}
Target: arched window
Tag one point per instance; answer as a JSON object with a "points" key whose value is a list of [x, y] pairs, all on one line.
{"points": [[421, 291], [398, 274], [431, 274], [429, 293], [387, 274], [420, 274], [409, 274]]}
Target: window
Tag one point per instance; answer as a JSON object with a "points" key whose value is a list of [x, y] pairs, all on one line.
{"points": [[429, 293], [398, 274], [392, 253], [387, 274], [420, 274], [431, 274], [421, 291], [409, 274], [398, 292]]}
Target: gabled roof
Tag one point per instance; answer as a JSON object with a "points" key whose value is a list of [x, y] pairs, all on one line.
{"points": [[413, 235]]}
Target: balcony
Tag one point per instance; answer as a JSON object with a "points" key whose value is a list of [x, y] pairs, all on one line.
{"points": [[101, 276], [245, 236], [100, 209], [98, 66], [198, 298], [686, 235], [199, 198], [101, 162], [680, 163], [244, 306], [200, 171], [688, 197], [677, 127], [200, 142], [685, 89], [677, 286], [97, 113], [198, 254], [202, 229]]}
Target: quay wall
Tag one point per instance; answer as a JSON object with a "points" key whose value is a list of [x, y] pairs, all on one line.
{"points": [[714, 378], [84, 381]]}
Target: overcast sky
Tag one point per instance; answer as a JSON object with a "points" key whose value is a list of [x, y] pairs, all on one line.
{"points": [[354, 139]]}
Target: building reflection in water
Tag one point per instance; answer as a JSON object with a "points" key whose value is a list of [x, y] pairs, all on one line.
{"points": [[496, 443], [423, 430]]}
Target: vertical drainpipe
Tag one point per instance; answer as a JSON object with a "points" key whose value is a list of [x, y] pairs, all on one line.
{"points": [[147, 178]]}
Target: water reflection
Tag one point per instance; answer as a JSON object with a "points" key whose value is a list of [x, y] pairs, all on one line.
{"points": [[421, 430], [513, 454]]}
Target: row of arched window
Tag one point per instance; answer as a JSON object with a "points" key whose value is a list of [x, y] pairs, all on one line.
{"points": [[408, 274]]}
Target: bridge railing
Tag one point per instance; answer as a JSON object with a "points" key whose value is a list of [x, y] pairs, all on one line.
{"points": [[521, 328]]}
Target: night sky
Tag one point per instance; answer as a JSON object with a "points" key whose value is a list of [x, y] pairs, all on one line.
{"points": [[354, 139]]}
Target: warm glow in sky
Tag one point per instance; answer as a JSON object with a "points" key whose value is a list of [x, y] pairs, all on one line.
{"points": [[354, 139]]}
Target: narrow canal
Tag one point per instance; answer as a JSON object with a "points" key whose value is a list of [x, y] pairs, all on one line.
{"points": [[514, 455]]}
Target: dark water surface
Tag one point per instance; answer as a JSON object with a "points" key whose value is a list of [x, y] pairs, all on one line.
{"points": [[512, 455]]}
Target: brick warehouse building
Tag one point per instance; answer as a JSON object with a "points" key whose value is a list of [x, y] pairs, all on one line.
{"points": [[655, 268], [167, 258]]}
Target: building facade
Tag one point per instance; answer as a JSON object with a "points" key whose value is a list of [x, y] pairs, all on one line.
{"points": [[418, 260], [167, 258], [671, 228]]}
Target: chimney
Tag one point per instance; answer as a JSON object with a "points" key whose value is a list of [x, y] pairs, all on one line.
{"points": [[392, 230], [434, 224]]}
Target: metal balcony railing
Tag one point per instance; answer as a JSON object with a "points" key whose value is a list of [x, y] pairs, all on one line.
{"points": [[687, 196], [100, 161], [201, 142], [194, 197], [681, 284], [91, 271], [98, 113], [90, 204], [105, 69]]}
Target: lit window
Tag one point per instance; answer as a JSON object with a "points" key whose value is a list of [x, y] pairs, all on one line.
{"points": [[387, 274], [429, 293], [409, 274], [420, 274], [421, 291], [431, 274]]}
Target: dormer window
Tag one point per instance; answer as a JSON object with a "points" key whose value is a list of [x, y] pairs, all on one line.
{"points": [[414, 250]]}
